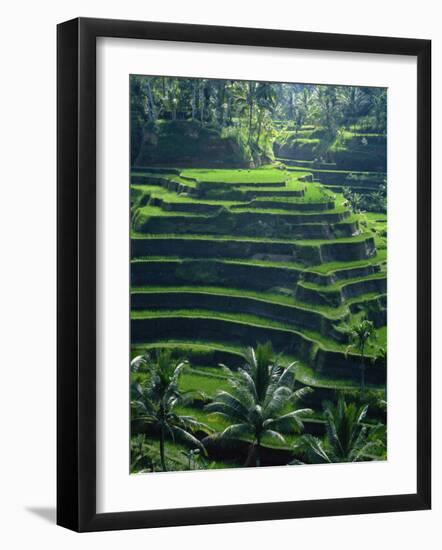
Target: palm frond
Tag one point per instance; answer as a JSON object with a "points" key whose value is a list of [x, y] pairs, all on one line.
{"points": [[315, 446], [288, 422], [274, 435], [186, 437], [236, 431], [233, 402], [225, 411], [301, 393]]}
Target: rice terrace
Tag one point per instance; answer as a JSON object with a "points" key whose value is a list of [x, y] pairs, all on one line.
{"points": [[258, 274]]}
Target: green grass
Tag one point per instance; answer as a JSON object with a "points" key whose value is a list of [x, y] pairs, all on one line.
{"points": [[171, 197], [308, 376], [310, 196], [340, 284], [245, 176], [194, 346], [381, 337], [156, 211], [209, 384], [150, 210], [331, 267], [317, 242], [171, 177], [269, 297], [287, 214], [258, 263], [304, 374], [175, 455], [329, 170], [334, 313], [242, 318], [373, 225], [375, 216], [302, 242]]}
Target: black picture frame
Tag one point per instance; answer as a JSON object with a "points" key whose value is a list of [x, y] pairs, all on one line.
{"points": [[76, 274]]}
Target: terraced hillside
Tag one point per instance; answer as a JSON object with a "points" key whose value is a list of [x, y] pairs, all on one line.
{"points": [[224, 259]]}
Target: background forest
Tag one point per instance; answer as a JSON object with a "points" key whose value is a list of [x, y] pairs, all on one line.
{"points": [[256, 115]]}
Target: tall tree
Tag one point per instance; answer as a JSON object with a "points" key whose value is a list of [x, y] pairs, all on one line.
{"points": [[261, 403], [302, 106], [245, 97], [354, 103], [265, 99], [379, 108], [347, 438], [360, 334], [155, 402], [152, 110], [327, 108]]}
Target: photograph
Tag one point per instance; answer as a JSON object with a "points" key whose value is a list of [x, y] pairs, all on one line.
{"points": [[258, 274]]}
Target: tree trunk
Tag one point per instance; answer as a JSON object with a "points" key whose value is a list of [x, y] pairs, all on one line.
{"points": [[193, 103], [162, 453], [257, 456], [202, 101], [363, 371], [259, 128], [152, 109], [250, 120], [250, 455]]}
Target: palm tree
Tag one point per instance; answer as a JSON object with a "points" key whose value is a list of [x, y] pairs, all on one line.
{"points": [[155, 402], [245, 98], [379, 109], [354, 103], [257, 406], [360, 333], [327, 108], [266, 100], [346, 436], [302, 107]]}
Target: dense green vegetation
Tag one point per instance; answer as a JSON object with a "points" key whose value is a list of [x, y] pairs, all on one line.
{"points": [[239, 122], [258, 274]]}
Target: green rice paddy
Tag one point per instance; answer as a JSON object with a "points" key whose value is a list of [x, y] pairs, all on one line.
{"points": [[271, 200]]}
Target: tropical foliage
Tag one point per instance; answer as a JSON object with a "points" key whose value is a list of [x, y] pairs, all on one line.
{"points": [[253, 110], [360, 334], [375, 201], [347, 439], [256, 407], [155, 402]]}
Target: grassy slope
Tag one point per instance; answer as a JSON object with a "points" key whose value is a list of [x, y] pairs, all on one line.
{"points": [[248, 319], [210, 379], [265, 174]]}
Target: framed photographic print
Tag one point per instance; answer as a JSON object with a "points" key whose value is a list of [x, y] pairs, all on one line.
{"points": [[243, 274]]}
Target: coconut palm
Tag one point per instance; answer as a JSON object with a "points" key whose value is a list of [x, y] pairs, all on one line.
{"points": [[354, 103], [266, 101], [155, 402], [326, 108], [360, 334], [258, 404], [347, 438], [379, 108]]}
